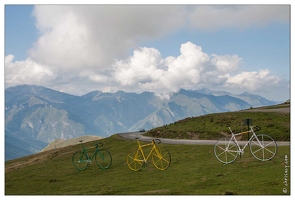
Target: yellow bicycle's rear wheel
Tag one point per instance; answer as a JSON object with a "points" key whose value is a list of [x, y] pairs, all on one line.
{"points": [[135, 160], [161, 158]]}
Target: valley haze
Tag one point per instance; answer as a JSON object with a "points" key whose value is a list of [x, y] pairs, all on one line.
{"points": [[36, 116]]}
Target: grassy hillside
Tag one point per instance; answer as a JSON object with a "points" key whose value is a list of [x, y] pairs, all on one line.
{"points": [[273, 120], [194, 171]]}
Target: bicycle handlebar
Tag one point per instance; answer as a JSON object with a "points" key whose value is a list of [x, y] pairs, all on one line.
{"points": [[100, 144], [256, 128], [159, 141]]}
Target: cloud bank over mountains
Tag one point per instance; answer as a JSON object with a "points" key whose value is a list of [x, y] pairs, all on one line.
{"points": [[86, 48]]}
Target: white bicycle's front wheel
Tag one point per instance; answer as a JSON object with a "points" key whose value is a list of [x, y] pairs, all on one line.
{"points": [[226, 150], [263, 147]]}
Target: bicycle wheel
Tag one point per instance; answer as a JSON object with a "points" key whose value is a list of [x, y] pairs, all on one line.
{"points": [[135, 160], [103, 159], [263, 147], [226, 150], [80, 160], [161, 158]]}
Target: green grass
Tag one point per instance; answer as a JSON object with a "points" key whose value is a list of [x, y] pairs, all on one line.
{"points": [[211, 126], [194, 171]]}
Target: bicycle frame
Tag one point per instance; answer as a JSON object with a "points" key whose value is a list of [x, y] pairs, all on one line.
{"points": [[85, 152], [140, 147], [82, 159], [160, 157], [233, 138], [262, 146]]}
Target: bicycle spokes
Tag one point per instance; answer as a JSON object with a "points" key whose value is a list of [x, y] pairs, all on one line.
{"points": [[263, 147], [161, 158], [226, 150], [135, 160], [103, 159], [138, 158], [80, 160]]}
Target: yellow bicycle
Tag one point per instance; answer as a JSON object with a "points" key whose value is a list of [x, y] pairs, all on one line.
{"points": [[160, 156]]}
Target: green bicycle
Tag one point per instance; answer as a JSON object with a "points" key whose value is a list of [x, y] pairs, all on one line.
{"points": [[81, 159]]}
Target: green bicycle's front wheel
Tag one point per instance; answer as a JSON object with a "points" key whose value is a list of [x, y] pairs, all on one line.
{"points": [[80, 160], [103, 159], [226, 150], [161, 158], [135, 160]]}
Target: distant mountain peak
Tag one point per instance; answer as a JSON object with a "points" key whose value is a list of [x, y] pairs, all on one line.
{"points": [[91, 95], [204, 91]]}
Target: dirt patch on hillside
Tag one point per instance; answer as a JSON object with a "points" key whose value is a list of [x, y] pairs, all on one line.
{"points": [[30, 160], [63, 143], [53, 150]]}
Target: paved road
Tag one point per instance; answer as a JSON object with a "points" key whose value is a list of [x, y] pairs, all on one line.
{"points": [[133, 135]]}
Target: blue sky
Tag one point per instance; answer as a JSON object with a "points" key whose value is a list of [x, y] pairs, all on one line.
{"points": [[78, 49], [20, 29]]}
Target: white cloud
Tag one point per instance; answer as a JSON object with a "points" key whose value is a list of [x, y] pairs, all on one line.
{"points": [[226, 63], [252, 80], [74, 37], [146, 70], [86, 48], [65, 42], [185, 70], [26, 72], [142, 67]]}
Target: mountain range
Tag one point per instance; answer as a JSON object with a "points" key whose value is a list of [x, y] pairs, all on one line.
{"points": [[36, 116]]}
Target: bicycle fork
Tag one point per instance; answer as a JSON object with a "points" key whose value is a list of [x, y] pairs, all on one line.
{"points": [[240, 150]]}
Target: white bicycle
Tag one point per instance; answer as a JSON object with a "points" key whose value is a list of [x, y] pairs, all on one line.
{"points": [[262, 146]]}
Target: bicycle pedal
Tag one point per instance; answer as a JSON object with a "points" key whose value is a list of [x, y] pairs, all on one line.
{"points": [[145, 164]]}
